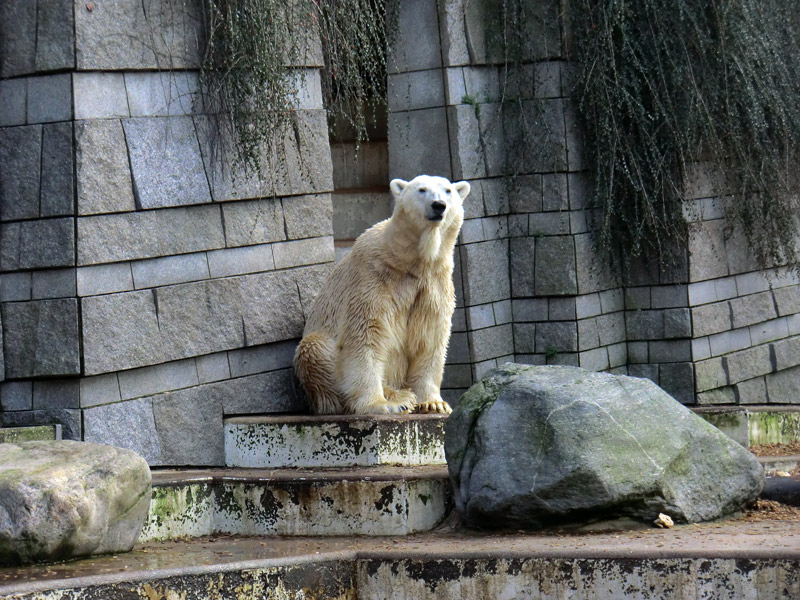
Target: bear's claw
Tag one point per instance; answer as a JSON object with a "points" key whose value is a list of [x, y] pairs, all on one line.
{"points": [[433, 406]]}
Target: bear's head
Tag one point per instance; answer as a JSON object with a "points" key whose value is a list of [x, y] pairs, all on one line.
{"points": [[432, 201]]}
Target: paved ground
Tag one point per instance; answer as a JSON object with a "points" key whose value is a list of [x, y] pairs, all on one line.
{"points": [[759, 535]]}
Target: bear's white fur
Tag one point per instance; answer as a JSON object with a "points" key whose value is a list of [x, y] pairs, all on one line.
{"points": [[376, 338]]}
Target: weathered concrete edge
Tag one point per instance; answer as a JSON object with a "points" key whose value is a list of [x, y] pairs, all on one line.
{"points": [[354, 556]]}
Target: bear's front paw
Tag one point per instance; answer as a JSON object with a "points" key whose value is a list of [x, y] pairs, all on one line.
{"points": [[434, 406]]}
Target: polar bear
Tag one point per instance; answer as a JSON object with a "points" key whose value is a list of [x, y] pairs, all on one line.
{"points": [[376, 338]]}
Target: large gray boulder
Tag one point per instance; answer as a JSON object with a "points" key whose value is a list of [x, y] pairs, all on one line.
{"points": [[61, 499], [529, 447]]}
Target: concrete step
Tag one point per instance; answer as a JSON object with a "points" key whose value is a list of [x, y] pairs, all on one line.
{"points": [[755, 425], [319, 502], [30, 434], [274, 442], [726, 560]]}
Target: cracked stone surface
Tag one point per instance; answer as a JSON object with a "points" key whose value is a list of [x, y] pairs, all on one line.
{"points": [[533, 446]]}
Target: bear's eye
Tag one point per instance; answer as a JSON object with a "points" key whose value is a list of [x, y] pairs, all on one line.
{"points": [[423, 190], [448, 190]]}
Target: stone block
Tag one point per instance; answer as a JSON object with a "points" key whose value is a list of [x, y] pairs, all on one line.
{"points": [[768, 331], [303, 165], [638, 352], [748, 363], [120, 35], [477, 140], [612, 301], [411, 151], [495, 228], [55, 35], [793, 322], [102, 168], [787, 300], [594, 360], [529, 310], [787, 353], [16, 395], [68, 418], [148, 234], [309, 280], [240, 261], [166, 163], [125, 424], [738, 252], [755, 308], [555, 266], [37, 244], [725, 395], [711, 318], [169, 270], [578, 222], [562, 309], [547, 79], [457, 376], [518, 225], [189, 425], [559, 337], [104, 279], [677, 379], [484, 268], [260, 359], [670, 296], [98, 390], [645, 371], [502, 312], [308, 216], [576, 144], [277, 290], [535, 136], [471, 232], [253, 222], [523, 252], [15, 287], [149, 381], [783, 387], [726, 288], [17, 38], [415, 90], [20, 155], [669, 351], [419, 51], [458, 349], [213, 367], [753, 391], [120, 331], [491, 342], [459, 320], [40, 338], [525, 194], [701, 348], [480, 316], [494, 193], [710, 374], [592, 266], [57, 183], [353, 212], [588, 306], [554, 223], [588, 334], [729, 341], [707, 250], [645, 325], [618, 355], [271, 392], [677, 323], [555, 195], [303, 252], [56, 393], [611, 328], [49, 98], [702, 292], [752, 283], [161, 93], [99, 95], [13, 98], [524, 338], [58, 283]]}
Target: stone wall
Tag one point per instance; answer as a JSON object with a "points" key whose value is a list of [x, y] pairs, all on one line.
{"points": [[530, 284], [146, 290]]}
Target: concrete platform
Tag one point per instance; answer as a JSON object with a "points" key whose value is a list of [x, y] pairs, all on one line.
{"points": [[755, 425], [726, 560], [273, 442], [364, 501]]}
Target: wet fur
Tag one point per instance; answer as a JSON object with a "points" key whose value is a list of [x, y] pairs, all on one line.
{"points": [[377, 335]]}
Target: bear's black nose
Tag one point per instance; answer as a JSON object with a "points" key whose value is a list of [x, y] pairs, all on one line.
{"points": [[438, 207]]}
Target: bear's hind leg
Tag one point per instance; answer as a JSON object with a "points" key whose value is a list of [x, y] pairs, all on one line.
{"points": [[314, 365]]}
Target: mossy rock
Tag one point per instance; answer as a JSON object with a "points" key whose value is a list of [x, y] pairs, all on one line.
{"points": [[534, 446]]}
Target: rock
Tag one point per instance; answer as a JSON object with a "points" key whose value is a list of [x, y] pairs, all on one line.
{"points": [[62, 499], [532, 446]]}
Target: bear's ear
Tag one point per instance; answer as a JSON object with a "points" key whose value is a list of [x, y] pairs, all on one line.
{"points": [[462, 187], [397, 186]]}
